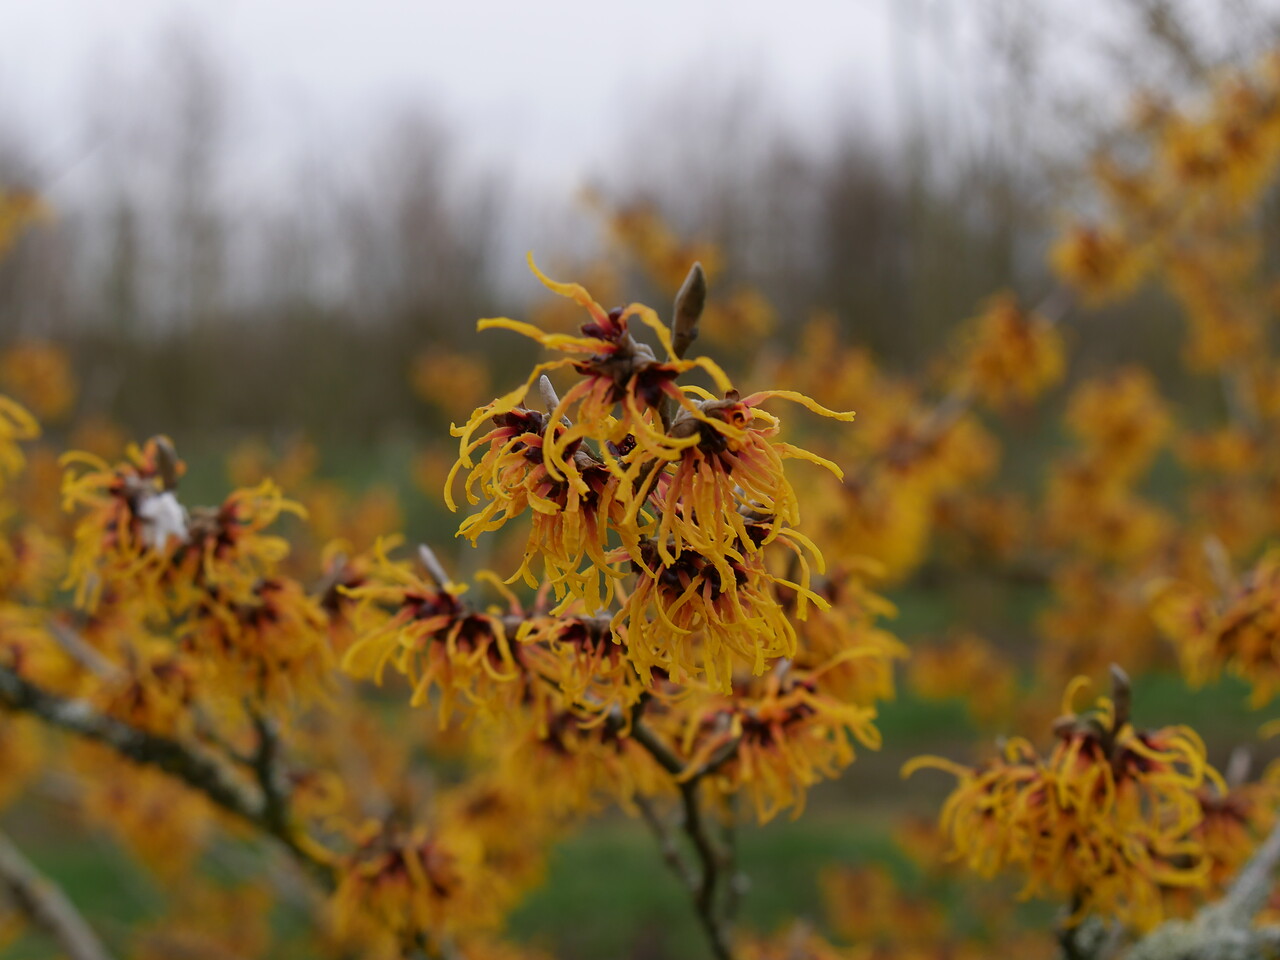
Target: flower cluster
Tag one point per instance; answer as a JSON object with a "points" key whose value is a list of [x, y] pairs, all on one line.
{"points": [[773, 743], [1013, 356], [402, 887], [631, 473], [664, 636], [1238, 633], [211, 575], [1108, 820]]}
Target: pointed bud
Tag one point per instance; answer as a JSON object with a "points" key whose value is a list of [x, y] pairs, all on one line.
{"points": [[167, 462], [690, 302], [550, 399]]}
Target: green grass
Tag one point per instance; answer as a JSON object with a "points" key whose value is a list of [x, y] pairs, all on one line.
{"points": [[610, 895]]}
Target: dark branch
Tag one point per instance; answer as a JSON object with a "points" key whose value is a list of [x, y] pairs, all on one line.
{"points": [[712, 860], [185, 762]]}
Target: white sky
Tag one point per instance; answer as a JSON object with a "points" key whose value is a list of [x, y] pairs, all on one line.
{"points": [[541, 87], [543, 84]]}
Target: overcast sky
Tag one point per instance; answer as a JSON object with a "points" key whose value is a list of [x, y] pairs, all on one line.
{"points": [[542, 84]]}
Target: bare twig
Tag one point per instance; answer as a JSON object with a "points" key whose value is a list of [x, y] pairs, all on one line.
{"points": [[79, 650], [88, 657], [1223, 930], [1249, 892], [667, 844], [1165, 23], [43, 903], [738, 881], [653, 744], [435, 569]]}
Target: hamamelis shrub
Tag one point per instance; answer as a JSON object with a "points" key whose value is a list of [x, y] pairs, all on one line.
{"points": [[382, 747]]}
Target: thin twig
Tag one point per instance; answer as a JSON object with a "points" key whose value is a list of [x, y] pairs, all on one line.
{"points": [[653, 744], [435, 569], [667, 844], [738, 881], [88, 657], [711, 858], [43, 903], [266, 767], [82, 652]]}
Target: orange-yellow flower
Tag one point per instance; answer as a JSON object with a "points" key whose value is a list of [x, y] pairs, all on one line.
{"points": [[1012, 356], [270, 644], [691, 620], [39, 374], [773, 746], [119, 539], [569, 525], [428, 634], [580, 764], [1107, 821], [618, 374], [1239, 633], [1102, 262], [404, 888], [16, 425], [732, 472]]}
